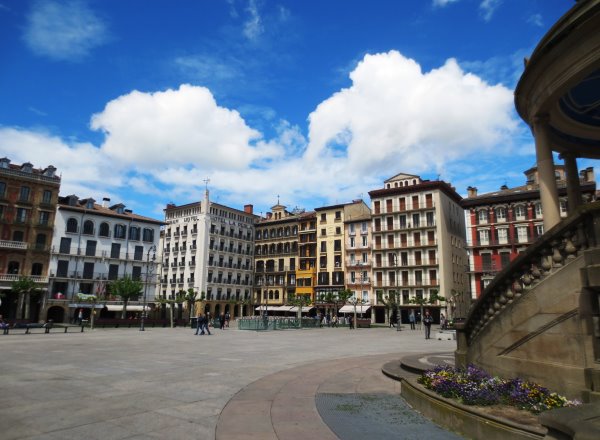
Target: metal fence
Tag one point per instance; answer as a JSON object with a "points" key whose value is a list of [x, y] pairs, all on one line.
{"points": [[271, 323]]}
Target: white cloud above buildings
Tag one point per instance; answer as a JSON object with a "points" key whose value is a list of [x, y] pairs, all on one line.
{"points": [[393, 117], [64, 30], [488, 8], [396, 116]]}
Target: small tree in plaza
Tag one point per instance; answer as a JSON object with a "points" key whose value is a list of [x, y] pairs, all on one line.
{"points": [[126, 289], [25, 288], [390, 304], [298, 301], [422, 301], [342, 297], [191, 299]]}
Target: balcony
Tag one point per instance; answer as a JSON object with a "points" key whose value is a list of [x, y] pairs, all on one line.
{"points": [[8, 244], [5, 277]]}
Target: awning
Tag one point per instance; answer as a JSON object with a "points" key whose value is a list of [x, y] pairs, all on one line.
{"points": [[85, 306], [130, 308], [305, 309], [350, 309]]}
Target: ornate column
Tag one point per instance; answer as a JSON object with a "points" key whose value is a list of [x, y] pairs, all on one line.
{"points": [[573, 188], [545, 166]]}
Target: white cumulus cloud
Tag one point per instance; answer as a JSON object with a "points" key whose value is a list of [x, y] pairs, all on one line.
{"points": [[175, 127], [396, 116], [442, 3], [64, 30]]}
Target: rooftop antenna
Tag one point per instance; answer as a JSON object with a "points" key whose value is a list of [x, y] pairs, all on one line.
{"points": [[206, 182], [278, 199]]}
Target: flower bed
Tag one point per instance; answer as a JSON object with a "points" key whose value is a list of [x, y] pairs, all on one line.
{"points": [[474, 386]]}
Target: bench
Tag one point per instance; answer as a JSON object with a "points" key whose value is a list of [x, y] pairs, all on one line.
{"points": [[28, 326], [363, 323]]}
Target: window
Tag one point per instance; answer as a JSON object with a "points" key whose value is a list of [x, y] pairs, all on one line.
{"points": [[402, 219], [430, 219], [21, 215], [482, 216], [148, 235], [363, 228], [323, 232], [2, 189], [88, 271], [72, 225], [416, 219], [40, 241], [338, 215], [486, 262], [113, 271], [364, 258], [104, 230], [501, 214], [136, 273], [134, 233], [44, 218], [324, 217], [338, 230], [1, 212], [502, 236], [90, 248], [120, 231], [352, 229], [62, 268], [539, 230], [484, 236], [138, 253], [24, 194], [323, 246], [538, 210], [563, 207], [65, 245], [364, 240], [504, 259], [47, 196], [352, 242], [520, 212], [115, 250], [88, 227], [522, 234]]}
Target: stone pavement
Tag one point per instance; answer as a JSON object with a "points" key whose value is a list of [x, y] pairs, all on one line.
{"points": [[167, 383]]}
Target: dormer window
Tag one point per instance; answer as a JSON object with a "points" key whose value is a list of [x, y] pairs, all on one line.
{"points": [[4, 162], [49, 172], [27, 167], [89, 204]]}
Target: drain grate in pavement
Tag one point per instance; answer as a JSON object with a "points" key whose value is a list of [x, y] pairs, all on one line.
{"points": [[376, 416]]}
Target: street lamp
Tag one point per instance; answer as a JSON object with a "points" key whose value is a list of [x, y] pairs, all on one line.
{"points": [[149, 269]]}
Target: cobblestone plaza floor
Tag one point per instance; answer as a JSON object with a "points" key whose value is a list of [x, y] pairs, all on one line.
{"points": [[169, 384]]}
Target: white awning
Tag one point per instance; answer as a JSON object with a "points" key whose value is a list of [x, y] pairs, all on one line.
{"points": [[85, 306], [130, 308], [350, 309], [305, 309]]}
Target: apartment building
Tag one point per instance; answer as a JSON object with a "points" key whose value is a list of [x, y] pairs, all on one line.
{"points": [[28, 198], [357, 256], [276, 257], [418, 241], [306, 274], [94, 244], [209, 247], [331, 246], [501, 224]]}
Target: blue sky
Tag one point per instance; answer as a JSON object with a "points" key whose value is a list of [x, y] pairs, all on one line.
{"points": [[316, 102]]}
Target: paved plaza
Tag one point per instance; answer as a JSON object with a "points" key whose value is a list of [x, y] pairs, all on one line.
{"points": [[169, 384]]}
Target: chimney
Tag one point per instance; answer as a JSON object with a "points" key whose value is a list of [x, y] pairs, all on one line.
{"points": [[471, 191], [249, 209], [128, 211], [503, 188], [589, 174], [105, 202], [530, 183]]}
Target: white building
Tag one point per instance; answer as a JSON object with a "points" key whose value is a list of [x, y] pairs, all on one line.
{"points": [[93, 244], [208, 247]]}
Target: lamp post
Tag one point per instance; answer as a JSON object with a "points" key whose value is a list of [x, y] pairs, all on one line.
{"points": [[149, 269]]}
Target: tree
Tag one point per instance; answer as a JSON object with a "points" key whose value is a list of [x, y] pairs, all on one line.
{"points": [[389, 302], [24, 287], [191, 299], [170, 303], [298, 301], [127, 289], [433, 298], [354, 300]]}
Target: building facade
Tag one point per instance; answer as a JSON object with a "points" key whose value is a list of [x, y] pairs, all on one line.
{"points": [[28, 198], [94, 244], [276, 257], [501, 224], [209, 248], [306, 273], [418, 242]]}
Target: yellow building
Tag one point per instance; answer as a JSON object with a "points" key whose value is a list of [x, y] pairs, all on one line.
{"points": [[306, 274]]}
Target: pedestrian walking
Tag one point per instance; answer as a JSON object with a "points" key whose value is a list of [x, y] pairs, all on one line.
{"points": [[198, 323], [350, 322], [227, 318], [427, 321], [205, 325], [222, 321], [412, 319]]}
